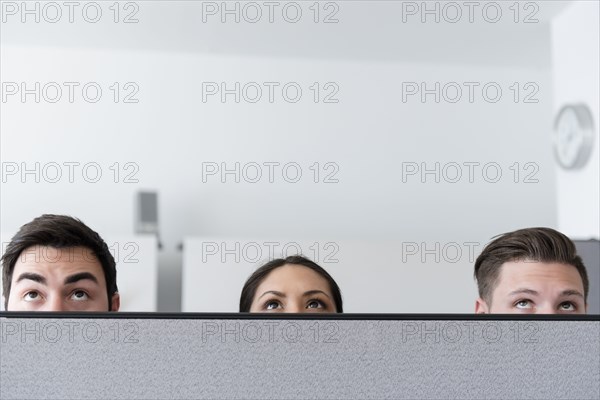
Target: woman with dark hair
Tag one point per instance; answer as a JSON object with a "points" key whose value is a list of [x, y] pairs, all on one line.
{"points": [[294, 284]]}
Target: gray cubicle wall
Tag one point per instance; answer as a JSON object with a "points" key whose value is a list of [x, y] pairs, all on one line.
{"points": [[589, 250], [233, 356]]}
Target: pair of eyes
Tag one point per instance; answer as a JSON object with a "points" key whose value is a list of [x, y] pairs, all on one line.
{"points": [[564, 306], [273, 304], [76, 295]]}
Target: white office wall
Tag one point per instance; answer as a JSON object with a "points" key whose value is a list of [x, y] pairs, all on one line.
{"points": [[368, 134], [575, 78], [137, 270], [4, 239], [386, 276]]}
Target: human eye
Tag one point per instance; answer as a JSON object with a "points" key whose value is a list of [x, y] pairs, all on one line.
{"points": [[315, 303], [272, 305], [524, 304], [567, 306], [79, 295], [32, 295]]}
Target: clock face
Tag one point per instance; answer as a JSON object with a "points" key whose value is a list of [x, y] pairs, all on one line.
{"points": [[573, 136]]}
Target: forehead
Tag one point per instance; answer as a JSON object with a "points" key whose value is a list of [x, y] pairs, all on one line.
{"points": [[534, 274], [54, 263], [293, 276]]}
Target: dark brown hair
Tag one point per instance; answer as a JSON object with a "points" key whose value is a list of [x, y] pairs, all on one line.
{"points": [[60, 232], [249, 289], [535, 244]]}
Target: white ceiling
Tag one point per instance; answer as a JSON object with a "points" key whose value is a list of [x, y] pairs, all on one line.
{"points": [[367, 30]]}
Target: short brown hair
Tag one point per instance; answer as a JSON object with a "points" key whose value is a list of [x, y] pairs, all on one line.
{"points": [[60, 232], [536, 244]]}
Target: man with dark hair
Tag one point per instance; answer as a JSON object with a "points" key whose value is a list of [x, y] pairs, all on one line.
{"points": [[57, 263], [533, 270]]}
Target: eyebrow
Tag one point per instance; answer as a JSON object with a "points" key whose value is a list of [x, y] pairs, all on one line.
{"points": [[524, 291], [311, 292], [79, 277], [276, 293], [571, 292], [32, 277], [568, 292]]}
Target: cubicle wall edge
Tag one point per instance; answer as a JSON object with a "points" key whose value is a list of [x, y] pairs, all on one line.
{"points": [[298, 356]]}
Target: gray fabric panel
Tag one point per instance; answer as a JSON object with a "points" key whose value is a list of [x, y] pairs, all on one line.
{"points": [[287, 359], [589, 250]]}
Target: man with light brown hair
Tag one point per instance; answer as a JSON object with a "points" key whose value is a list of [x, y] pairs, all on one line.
{"points": [[531, 271]]}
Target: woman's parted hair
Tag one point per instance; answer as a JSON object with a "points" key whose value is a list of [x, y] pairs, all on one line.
{"points": [[249, 289]]}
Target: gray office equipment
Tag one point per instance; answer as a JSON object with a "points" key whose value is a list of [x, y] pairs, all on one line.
{"points": [[234, 356], [146, 220], [589, 250]]}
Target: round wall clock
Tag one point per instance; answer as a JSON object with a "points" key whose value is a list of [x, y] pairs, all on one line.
{"points": [[573, 136]]}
